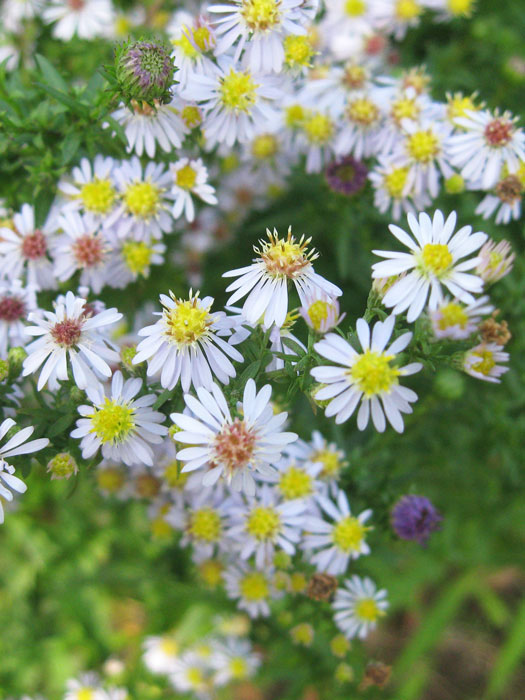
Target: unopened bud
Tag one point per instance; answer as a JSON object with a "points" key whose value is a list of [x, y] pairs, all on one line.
{"points": [[144, 71], [62, 466]]}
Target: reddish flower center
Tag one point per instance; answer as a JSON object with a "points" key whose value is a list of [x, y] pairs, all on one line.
{"points": [[509, 190], [11, 309], [234, 445], [67, 333], [76, 4], [88, 250], [34, 246], [498, 132]]}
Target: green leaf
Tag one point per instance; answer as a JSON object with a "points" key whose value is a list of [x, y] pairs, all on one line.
{"points": [[50, 73], [66, 100], [509, 657], [60, 425], [70, 146], [165, 396]]}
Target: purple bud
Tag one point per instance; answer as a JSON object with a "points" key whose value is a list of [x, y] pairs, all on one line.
{"points": [[346, 176], [415, 518]]}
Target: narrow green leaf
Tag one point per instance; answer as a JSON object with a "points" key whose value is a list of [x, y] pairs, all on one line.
{"points": [[50, 73], [509, 657]]}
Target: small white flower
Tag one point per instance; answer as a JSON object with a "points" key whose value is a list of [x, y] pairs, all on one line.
{"points": [[192, 38], [191, 673], [190, 177], [86, 685], [454, 320], [16, 303], [253, 589], [323, 454], [433, 262], [483, 362], [85, 18], [369, 377], [321, 311], [393, 190], [123, 426], [506, 198], [231, 447], [90, 188], [358, 606], [160, 653], [425, 149], [233, 660], [133, 259], [495, 261]]}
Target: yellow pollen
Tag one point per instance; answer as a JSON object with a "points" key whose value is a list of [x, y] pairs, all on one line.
{"points": [[318, 312], [238, 668], [363, 111], [495, 259], [110, 479], [355, 8], [395, 182], [354, 76], [423, 146], [85, 694], [458, 105], [298, 50], [452, 315], [436, 259], [295, 483], [122, 25], [201, 36], [408, 9], [211, 572], [373, 373], [319, 128], [185, 177], [187, 322], [205, 524], [460, 7], [185, 44], [331, 463], [368, 610], [261, 15], [263, 523], [113, 422], [173, 475], [404, 108], [194, 676], [142, 199], [169, 646], [254, 586], [98, 196], [284, 257], [486, 362], [348, 534], [294, 116], [238, 91], [265, 146], [137, 256], [191, 116]]}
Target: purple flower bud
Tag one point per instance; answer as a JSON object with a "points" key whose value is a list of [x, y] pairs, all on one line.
{"points": [[145, 70], [415, 518], [346, 176]]}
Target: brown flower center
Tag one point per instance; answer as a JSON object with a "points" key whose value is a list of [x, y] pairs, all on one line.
{"points": [[34, 246], [498, 132], [11, 309], [88, 250], [67, 333]]}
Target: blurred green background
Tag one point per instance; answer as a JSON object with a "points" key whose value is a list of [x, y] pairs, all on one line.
{"points": [[81, 578]]}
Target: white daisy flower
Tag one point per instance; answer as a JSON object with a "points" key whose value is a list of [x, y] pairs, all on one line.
{"points": [[123, 426], [395, 17], [252, 588], [425, 148], [392, 188], [296, 479], [506, 200], [483, 362], [487, 142], [191, 673], [185, 344], [262, 525], [231, 447], [90, 188], [316, 136], [233, 660], [146, 126], [82, 247], [87, 19], [279, 261], [160, 653], [16, 445], [189, 177], [454, 320], [360, 127], [143, 211], [133, 259], [14, 12], [237, 102], [323, 454], [24, 250], [369, 377], [70, 333], [358, 606], [496, 260], [16, 303], [432, 262], [339, 541], [192, 38], [87, 685]]}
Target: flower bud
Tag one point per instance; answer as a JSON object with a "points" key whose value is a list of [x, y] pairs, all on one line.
{"points": [[62, 466], [15, 359], [4, 370], [144, 71], [455, 184]]}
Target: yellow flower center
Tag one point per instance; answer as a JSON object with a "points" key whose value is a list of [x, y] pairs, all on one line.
{"points": [[460, 7], [373, 373], [191, 116], [319, 128], [201, 36], [395, 182], [85, 694], [404, 108], [294, 116], [303, 634], [363, 111], [173, 475], [486, 362], [211, 572], [298, 50], [264, 146], [110, 479], [238, 667], [205, 524], [348, 534], [261, 15], [458, 105], [423, 146], [339, 645], [142, 199], [452, 315], [187, 322], [238, 91], [284, 257], [185, 177], [436, 259], [495, 260], [122, 25], [254, 586], [98, 196], [183, 42], [295, 483], [368, 610], [137, 256], [355, 8], [113, 422], [408, 9], [318, 312], [169, 646], [161, 529], [331, 463], [195, 676], [263, 523], [298, 582], [354, 76]]}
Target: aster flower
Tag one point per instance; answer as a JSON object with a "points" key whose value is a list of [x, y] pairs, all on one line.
{"points": [[16, 445], [488, 142], [346, 175], [369, 377], [70, 333], [323, 454], [14, 12], [432, 262], [296, 479], [86, 685], [24, 249], [279, 261], [191, 673], [133, 259], [252, 588], [425, 147], [339, 541], [321, 312], [233, 660], [123, 426], [16, 303], [231, 448], [185, 344], [190, 177], [505, 201], [358, 607], [452, 319], [496, 260], [393, 190], [316, 137], [361, 124], [87, 19], [90, 188], [484, 362], [415, 518], [160, 653]]}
